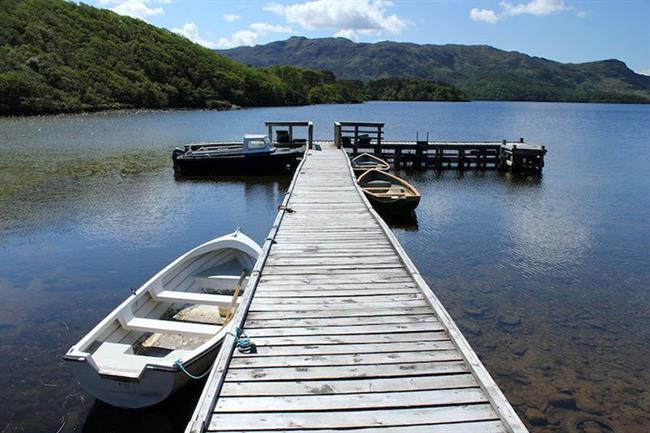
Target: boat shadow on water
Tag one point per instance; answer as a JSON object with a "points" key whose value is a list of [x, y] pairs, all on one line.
{"points": [[170, 416], [407, 222], [234, 178]]}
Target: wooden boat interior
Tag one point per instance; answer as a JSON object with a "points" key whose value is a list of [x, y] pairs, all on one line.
{"points": [[185, 306], [382, 184], [367, 161]]}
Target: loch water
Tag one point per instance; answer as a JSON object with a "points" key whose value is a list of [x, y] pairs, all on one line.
{"points": [[548, 277]]}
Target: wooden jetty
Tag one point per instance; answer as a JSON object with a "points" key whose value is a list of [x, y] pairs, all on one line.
{"points": [[518, 156], [348, 335]]}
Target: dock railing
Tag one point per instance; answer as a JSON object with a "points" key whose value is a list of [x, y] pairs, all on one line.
{"points": [[357, 134], [422, 153]]}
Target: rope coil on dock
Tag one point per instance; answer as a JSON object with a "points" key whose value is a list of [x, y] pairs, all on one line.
{"points": [[243, 342]]}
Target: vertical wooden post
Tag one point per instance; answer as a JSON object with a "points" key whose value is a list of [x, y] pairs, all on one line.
{"points": [[337, 134], [310, 135]]}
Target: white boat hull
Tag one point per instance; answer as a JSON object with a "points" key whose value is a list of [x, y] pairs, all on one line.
{"points": [[152, 388], [170, 330]]}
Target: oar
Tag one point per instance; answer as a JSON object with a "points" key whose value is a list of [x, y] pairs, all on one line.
{"points": [[233, 301]]}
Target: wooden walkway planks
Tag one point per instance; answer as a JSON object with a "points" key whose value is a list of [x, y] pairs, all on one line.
{"points": [[349, 337]]}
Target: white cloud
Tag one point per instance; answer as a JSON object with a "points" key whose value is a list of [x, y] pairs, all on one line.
{"points": [[191, 32], [534, 7], [135, 8], [242, 37], [250, 35], [485, 15], [264, 29], [349, 17], [643, 71], [582, 14], [348, 34], [231, 17]]}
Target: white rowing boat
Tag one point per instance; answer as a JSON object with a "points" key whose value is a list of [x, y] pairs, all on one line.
{"points": [[169, 331]]}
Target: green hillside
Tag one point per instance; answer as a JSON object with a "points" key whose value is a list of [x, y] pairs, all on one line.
{"points": [[482, 72], [57, 56]]}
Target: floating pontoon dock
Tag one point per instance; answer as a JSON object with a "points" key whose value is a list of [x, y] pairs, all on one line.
{"points": [[349, 337], [513, 156]]}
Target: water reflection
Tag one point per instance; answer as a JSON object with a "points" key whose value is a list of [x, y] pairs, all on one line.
{"points": [[547, 237]]}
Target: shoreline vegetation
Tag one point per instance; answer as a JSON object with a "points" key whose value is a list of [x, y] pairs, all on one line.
{"points": [[61, 57]]}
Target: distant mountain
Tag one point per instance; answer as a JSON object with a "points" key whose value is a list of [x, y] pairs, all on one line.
{"points": [[481, 71]]}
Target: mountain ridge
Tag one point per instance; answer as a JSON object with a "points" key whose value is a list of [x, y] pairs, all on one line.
{"points": [[481, 71]]}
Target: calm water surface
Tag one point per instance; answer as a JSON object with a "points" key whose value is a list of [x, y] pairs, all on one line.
{"points": [[548, 277]]}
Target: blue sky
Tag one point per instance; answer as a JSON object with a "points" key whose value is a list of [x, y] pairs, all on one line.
{"points": [[562, 30]]}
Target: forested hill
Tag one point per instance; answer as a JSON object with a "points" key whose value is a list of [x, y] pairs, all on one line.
{"points": [[58, 56], [482, 72]]}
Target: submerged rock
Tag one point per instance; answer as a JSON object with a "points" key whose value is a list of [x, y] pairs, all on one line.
{"points": [[536, 417], [509, 321], [563, 401]]}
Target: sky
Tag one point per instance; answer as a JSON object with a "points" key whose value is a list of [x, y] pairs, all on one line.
{"points": [[563, 30]]}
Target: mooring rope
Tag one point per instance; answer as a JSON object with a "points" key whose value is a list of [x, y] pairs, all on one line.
{"points": [[180, 365], [242, 341]]}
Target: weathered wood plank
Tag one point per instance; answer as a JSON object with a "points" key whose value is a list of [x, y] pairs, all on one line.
{"points": [[330, 349], [333, 300], [358, 418], [337, 321], [344, 359], [381, 400], [256, 306], [360, 276], [342, 286], [349, 386], [346, 371], [340, 260], [464, 427], [343, 330], [301, 340], [267, 293], [377, 268], [351, 312]]}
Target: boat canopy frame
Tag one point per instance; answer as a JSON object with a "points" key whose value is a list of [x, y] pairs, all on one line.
{"points": [[290, 125]]}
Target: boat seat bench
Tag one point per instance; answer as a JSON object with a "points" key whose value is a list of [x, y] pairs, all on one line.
{"points": [[119, 358], [170, 327], [193, 298], [218, 282]]}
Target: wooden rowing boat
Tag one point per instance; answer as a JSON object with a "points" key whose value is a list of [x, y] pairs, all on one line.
{"points": [[366, 161], [170, 329], [388, 193]]}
